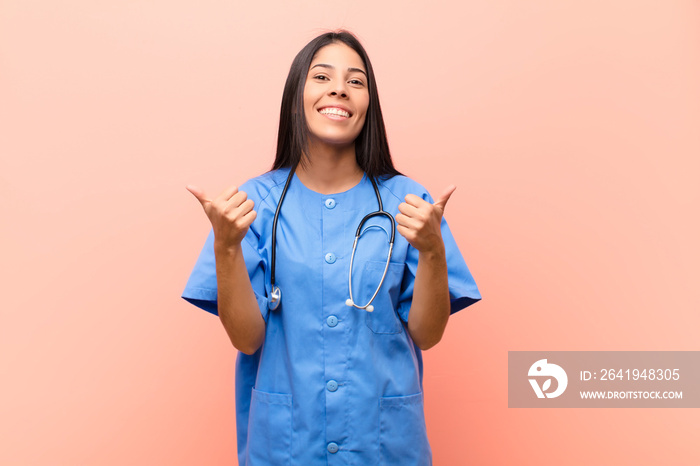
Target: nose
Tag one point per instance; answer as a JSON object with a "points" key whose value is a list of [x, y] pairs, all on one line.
{"points": [[339, 89]]}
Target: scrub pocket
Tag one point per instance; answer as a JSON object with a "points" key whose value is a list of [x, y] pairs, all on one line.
{"points": [[384, 318], [269, 429], [402, 434]]}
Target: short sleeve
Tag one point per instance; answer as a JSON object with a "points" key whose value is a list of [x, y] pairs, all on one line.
{"points": [[201, 287], [461, 284]]}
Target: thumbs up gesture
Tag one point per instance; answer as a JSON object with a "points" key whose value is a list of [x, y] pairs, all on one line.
{"points": [[230, 214], [419, 221]]}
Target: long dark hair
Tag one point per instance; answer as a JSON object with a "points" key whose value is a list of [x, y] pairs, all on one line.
{"points": [[371, 145]]}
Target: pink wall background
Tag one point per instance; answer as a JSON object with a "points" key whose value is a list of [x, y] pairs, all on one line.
{"points": [[572, 130]]}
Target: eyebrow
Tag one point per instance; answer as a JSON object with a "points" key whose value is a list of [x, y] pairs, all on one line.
{"points": [[324, 65]]}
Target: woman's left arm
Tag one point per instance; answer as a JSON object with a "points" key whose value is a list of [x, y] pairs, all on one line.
{"points": [[419, 222]]}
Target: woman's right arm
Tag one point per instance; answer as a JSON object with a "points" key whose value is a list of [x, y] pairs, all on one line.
{"points": [[238, 309], [230, 215]]}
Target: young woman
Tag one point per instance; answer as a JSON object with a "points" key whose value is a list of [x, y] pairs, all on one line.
{"points": [[330, 328]]}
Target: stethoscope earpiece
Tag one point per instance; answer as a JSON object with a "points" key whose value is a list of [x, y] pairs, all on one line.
{"points": [[368, 308]]}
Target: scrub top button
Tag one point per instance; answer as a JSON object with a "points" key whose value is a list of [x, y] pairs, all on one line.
{"points": [[330, 257], [332, 321], [332, 447], [330, 203], [332, 385]]}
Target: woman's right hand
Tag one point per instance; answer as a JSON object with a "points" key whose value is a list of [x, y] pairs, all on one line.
{"points": [[230, 214]]}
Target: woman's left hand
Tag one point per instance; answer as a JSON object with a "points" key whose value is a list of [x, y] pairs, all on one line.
{"points": [[419, 221]]}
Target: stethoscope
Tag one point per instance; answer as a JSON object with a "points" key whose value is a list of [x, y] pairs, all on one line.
{"points": [[276, 293]]}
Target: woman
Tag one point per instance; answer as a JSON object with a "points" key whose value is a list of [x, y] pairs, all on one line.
{"points": [[319, 378]]}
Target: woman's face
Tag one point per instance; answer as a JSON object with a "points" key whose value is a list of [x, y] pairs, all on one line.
{"points": [[336, 96]]}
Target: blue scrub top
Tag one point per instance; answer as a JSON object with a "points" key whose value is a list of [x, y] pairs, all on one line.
{"points": [[331, 384]]}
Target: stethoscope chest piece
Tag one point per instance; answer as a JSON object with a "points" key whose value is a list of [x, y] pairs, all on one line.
{"points": [[275, 298]]}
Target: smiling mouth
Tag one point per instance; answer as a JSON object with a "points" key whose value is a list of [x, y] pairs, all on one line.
{"points": [[334, 113]]}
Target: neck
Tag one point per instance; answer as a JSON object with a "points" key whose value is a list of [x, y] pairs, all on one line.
{"points": [[330, 169]]}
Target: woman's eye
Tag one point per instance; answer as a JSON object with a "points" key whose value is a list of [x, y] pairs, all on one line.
{"points": [[321, 77], [356, 82]]}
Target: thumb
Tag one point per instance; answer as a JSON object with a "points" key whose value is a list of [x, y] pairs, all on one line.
{"points": [[445, 196], [198, 193]]}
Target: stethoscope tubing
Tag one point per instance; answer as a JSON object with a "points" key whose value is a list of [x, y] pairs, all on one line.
{"points": [[276, 293]]}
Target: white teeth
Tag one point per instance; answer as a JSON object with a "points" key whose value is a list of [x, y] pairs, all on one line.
{"points": [[334, 111]]}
